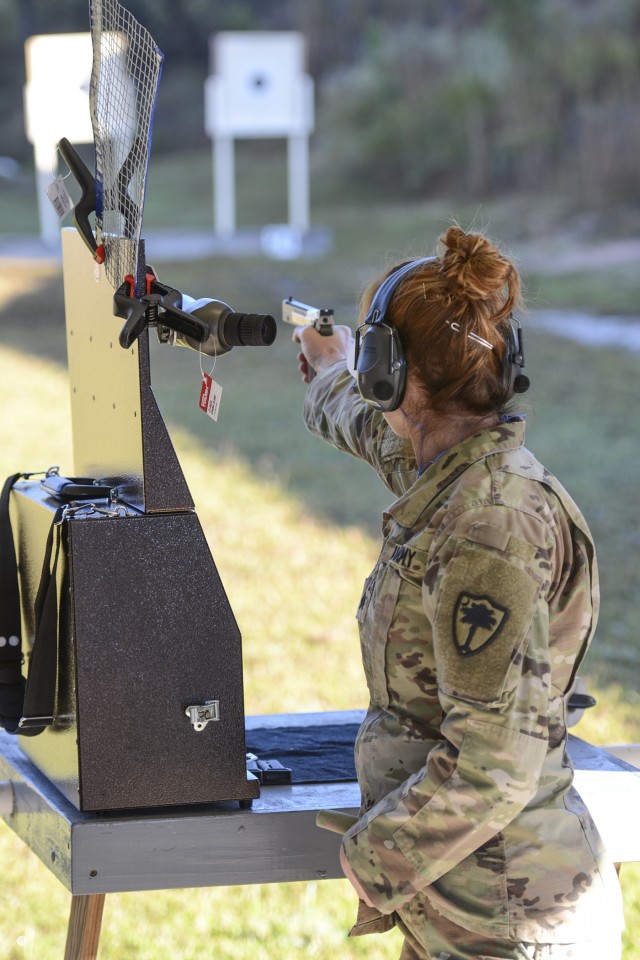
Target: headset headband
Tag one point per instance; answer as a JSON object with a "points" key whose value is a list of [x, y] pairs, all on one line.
{"points": [[385, 291]]}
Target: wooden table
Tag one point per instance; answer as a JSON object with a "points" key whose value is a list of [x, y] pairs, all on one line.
{"points": [[222, 845]]}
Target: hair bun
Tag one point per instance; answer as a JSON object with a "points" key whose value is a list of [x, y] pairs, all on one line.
{"points": [[473, 266]]}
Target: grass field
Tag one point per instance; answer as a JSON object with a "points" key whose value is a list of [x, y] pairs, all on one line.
{"points": [[293, 528]]}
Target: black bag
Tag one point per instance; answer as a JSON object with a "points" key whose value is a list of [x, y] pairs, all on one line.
{"points": [[27, 706]]}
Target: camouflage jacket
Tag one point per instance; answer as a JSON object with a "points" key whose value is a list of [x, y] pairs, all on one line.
{"points": [[473, 623]]}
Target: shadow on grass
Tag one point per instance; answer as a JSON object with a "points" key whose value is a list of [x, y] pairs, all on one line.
{"points": [[32, 310]]}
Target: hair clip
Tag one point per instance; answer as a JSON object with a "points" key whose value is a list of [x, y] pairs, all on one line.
{"points": [[481, 340], [472, 336]]}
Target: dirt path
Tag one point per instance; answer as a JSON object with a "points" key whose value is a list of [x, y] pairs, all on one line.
{"points": [[564, 256], [556, 255], [592, 331]]}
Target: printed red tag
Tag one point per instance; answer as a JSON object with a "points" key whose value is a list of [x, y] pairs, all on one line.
{"points": [[204, 392], [210, 395]]}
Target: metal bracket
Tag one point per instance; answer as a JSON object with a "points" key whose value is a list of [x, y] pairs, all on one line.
{"points": [[158, 306], [200, 714]]}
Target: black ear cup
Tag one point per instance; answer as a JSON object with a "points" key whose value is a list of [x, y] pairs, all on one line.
{"points": [[381, 367], [514, 379]]}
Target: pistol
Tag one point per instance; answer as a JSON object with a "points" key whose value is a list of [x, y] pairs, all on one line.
{"points": [[302, 315]]}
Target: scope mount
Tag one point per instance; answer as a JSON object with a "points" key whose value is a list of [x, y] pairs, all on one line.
{"points": [[157, 307]]}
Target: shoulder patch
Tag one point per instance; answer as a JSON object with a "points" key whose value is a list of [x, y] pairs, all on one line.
{"points": [[477, 621], [484, 608]]}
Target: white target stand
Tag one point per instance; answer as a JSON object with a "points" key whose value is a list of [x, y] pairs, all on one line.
{"points": [[258, 88], [56, 100]]}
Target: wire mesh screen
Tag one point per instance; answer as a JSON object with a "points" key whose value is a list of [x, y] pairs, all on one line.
{"points": [[124, 83]]}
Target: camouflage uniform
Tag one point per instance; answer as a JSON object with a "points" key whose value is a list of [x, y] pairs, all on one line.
{"points": [[473, 623]]}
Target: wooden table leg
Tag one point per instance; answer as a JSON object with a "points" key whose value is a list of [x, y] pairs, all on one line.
{"points": [[85, 920]]}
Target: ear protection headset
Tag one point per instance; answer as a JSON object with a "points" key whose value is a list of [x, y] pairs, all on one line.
{"points": [[515, 381], [381, 367], [380, 363]]}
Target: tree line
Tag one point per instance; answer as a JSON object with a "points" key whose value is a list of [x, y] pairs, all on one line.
{"points": [[413, 96]]}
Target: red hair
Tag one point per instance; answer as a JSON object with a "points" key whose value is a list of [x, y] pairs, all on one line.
{"points": [[471, 288]]}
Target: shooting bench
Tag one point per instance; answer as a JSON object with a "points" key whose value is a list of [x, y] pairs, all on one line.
{"points": [[275, 841]]}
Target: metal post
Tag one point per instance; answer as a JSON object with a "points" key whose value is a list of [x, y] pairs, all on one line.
{"points": [[224, 186], [298, 185], [44, 154]]}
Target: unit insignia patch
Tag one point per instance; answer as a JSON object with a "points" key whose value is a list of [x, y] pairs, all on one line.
{"points": [[477, 620]]}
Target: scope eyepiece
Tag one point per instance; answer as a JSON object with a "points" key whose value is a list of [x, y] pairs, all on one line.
{"points": [[247, 329], [226, 328]]}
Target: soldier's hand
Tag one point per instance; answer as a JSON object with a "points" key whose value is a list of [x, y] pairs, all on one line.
{"points": [[319, 352]]}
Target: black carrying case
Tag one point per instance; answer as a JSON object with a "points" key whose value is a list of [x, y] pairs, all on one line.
{"points": [[143, 632]]}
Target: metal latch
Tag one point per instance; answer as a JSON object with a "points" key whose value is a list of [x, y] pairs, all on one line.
{"points": [[201, 713]]}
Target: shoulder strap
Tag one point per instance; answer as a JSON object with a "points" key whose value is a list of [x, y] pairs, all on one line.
{"points": [[27, 707], [12, 682], [42, 679]]}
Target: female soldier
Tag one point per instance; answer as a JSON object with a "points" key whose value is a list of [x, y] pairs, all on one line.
{"points": [[473, 623]]}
